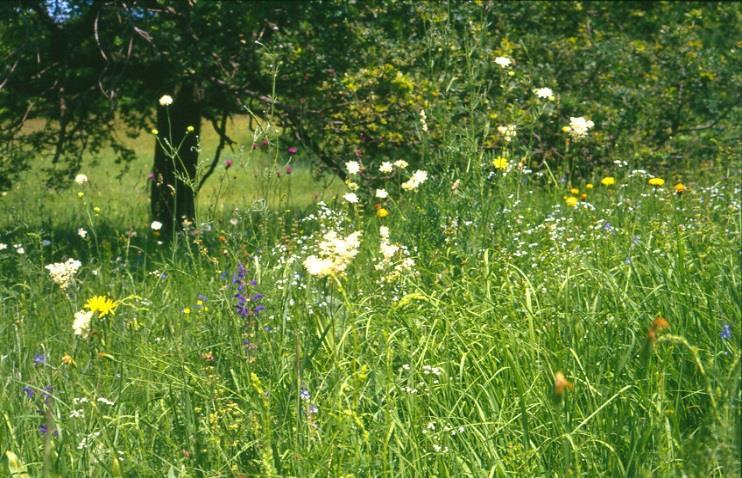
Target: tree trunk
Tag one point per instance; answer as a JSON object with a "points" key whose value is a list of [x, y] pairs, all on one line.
{"points": [[173, 195]]}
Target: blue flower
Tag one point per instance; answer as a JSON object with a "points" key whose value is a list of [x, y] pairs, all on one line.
{"points": [[726, 332], [30, 392], [39, 359], [304, 394]]}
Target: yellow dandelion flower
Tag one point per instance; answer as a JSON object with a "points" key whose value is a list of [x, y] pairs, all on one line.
{"points": [[500, 163], [680, 188], [657, 182], [608, 181], [589, 186], [381, 213], [190, 129], [154, 131], [186, 310], [68, 360], [574, 191], [101, 304], [571, 201]]}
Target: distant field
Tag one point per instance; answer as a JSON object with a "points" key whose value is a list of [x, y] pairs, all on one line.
{"points": [[125, 194]]}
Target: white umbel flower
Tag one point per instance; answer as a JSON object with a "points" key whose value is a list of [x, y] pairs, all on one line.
{"points": [[81, 325]]}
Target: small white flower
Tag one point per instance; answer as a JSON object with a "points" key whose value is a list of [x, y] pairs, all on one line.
{"points": [[578, 127], [81, 179], [156, 225], [81, 325], [77, 413], [233, 221], [544, 93], [351, 197], [353, 167], [318, 267], [503, 61], [82, 233], [508, 132], [386, 167], [382, 194], [3, 246], [166, 100], [19, 249], [401, 164], [105, 401]]}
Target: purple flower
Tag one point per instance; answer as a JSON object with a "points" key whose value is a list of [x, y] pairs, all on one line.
{"points": [[30, 392], [304, 394], [228, 164], [39, 360], [313, 409], [607, 227], [289, 169], [293, 150], [726, 332]]}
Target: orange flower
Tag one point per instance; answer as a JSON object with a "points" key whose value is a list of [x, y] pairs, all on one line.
{"points": [[680, 188], [659, 325], [561, 384]]}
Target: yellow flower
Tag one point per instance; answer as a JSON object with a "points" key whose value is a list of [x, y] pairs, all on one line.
{"points": [[608, 181], [68, 360], [186, 310], [571, 201], [154, 131], [382, 213], [190, 129], [680, 188], [561, 384], [96, 210], [657, 182], [80, 194], [574, 191], [500, 163], [101, 304], [589, 186]]}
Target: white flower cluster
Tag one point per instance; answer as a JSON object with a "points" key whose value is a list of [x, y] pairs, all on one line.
{"points": [[335, 254], [503, 61], [81, 325], [64, 272], [508, 132], [418, 177], [387, 166], [389, 251], [544, 93], [578, 127]]}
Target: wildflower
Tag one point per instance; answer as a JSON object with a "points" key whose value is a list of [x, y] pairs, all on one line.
{"points": [[423, 121], [228, 164], [81, 195], [381, 213], [455, 185], [656, 182], [304, 394], [101, 304], [353, 167], [293, 150], [106, 401], [578, 127], [608, 181], [574, 191], [67, 359], [503, 61], [82, 232], [726, 332], [3, 246], [386, 167], [154, 131], [401, 164], [500, 163], [289, 170], [39, 359], [544, 93], [583, 197], [382, 194], [30, 392], [190, 129], [166, 100], [96, 210], [659, 325], [561, 384], [418, 177], [680, 188], [352, 185], [81, 324], [186, 310], [508, 132], [351, 197], [589, 186], [81, 179], [335, 254], [62, 273], [571, 201], [156, 225]]}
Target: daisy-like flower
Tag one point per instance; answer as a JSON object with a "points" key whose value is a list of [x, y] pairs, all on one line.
{"points": [[81, 324], [608, 181], [382, 194], [500, 163], [381, 213], [571, 201], [545, 93], [503, 61], [81, 179], [156, 225], [82, 232], [166, 100], [351, 197], [386, 167], [353, 167], [101, 304], [656, 182]]}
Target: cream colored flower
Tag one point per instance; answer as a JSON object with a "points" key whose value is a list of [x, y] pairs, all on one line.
{"points": [[401, 164], [382, 194], [81, 324], [503, 61], [351, 197], [62, 273], [578, 127], [81, 179], [353, 167], [166, 100], [545, 93], [386, 167]]}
